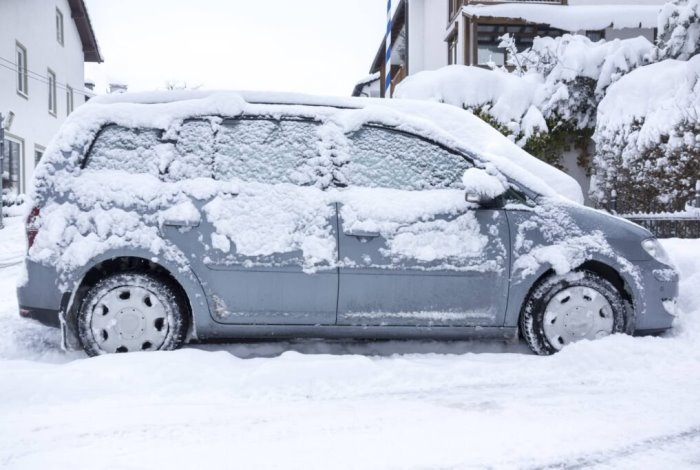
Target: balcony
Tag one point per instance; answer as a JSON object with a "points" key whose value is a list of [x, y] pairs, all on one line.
{"points": [[456, 5]]}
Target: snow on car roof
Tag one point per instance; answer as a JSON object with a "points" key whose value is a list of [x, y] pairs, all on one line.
{"points": [[440, 123]]}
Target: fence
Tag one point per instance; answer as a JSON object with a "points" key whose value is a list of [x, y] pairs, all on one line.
{"points": [[668, 225]]}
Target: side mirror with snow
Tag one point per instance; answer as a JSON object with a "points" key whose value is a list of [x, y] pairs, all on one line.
{"points": [[483, 189]]}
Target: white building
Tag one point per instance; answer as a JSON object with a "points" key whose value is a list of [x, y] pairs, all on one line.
{"points": [[44, 45], [430, 34]]}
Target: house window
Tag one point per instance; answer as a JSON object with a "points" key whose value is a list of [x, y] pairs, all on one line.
{"points": [[59, 26], [38, 153], [69, 100], [22, 76], [595, 36], [52, 92], [11, 166], [488, 37], [452, 50]]}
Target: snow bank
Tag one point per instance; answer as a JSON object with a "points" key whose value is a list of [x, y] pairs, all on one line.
{"points": [[573, 17]]}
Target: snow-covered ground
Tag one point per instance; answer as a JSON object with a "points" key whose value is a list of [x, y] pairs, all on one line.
{"points": [[616, 403]]}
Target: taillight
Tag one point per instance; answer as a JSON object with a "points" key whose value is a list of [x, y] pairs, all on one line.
{"points": [[32, 227]]}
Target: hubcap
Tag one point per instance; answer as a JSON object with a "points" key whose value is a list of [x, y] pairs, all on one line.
{"points": [[129, 319], [577, 313]]}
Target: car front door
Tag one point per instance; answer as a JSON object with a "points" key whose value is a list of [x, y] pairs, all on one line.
{"points": [[412, 251]]}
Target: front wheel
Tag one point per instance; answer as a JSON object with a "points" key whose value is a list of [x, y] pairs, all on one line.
{"points": [[128, 312], [563, 310]]}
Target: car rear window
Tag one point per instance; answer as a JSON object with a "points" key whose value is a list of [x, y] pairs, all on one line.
{"points": [[388, 158], [120, 148]]}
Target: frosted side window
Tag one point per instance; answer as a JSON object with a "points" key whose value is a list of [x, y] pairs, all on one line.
{"points": [[120, 148], [390, 159], [267, 151]]}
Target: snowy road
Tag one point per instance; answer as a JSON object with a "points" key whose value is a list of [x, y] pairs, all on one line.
{"points": [[617, 403]]}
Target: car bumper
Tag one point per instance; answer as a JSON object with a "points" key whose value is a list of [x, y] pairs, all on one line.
{"points": [[39, 298], [657, 301], [44, 316]]}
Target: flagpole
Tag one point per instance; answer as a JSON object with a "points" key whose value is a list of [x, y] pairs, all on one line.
{"points": [[387, 65]]}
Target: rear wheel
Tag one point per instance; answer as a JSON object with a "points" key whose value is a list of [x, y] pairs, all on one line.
{"points": [[129, 312], [560, 311]]}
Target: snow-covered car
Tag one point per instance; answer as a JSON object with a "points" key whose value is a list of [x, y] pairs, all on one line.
{"points": [[162, 218]]}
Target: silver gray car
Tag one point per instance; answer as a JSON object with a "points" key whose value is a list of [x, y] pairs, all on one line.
{"points": [[162, 219]]}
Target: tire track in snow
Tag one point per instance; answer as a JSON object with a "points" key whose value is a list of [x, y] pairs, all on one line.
{"points": [[600, 458]]}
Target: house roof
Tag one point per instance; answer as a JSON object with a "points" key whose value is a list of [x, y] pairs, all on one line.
{"points": [[397, 23], [79, 13], [573, 17]]}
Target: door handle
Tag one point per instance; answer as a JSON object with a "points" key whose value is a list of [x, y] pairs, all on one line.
{"points": [[180, 223], [362, 234]]}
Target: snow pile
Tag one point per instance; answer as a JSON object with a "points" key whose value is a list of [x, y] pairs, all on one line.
{"points": [[478, 181], [573, 18], [647, 136]]}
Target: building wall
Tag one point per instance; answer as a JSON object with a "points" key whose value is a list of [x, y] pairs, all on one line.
{"points": [[33, 24], [427, 21]]}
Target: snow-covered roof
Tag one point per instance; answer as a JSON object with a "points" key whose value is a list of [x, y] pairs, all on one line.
{"points": [[573, 17], [441, 123]]}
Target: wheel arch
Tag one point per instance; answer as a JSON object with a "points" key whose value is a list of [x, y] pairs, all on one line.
{"points": [[183, 280], [622, 282]]}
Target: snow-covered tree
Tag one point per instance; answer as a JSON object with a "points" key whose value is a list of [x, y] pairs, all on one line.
{"points": [[679, 30], [648, 138]]}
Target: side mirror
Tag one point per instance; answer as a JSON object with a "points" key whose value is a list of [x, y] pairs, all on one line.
{"points": [[483, 189]]}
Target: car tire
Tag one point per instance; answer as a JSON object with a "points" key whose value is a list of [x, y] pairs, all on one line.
{"points": [[563, 309], [129, 312]]}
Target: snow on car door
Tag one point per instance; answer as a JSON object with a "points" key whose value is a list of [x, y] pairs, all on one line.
{"points": [[413, 252], [267, 251]]}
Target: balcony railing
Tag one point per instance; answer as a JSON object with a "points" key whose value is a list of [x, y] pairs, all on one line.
{"points": [[549, 2]]}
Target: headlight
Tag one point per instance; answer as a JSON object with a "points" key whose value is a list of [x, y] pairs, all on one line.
{"points": [[656, 251]]}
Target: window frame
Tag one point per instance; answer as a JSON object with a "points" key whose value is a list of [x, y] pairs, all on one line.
{"points": [[69, 100], [452, 46], [53, 90], [41, 150], [22, 72], [60, 31], [11, 138]]}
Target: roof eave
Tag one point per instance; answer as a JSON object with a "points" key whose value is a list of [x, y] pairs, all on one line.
{"points": [[79, 13]]}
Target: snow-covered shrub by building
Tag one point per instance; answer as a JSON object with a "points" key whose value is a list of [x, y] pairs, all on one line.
{"points": [[549, 102], [679, 30], [648, 138]]}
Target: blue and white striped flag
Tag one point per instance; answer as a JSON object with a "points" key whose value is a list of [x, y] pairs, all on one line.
{"points": [[387, 66]]}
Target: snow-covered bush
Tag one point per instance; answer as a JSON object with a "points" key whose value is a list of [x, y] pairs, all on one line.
{"points": [[679, 30], [648, 138], [549, 102]]}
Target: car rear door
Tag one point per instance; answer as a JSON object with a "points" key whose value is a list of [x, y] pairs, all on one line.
{"points": [[265, 246], [412, 251]]}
